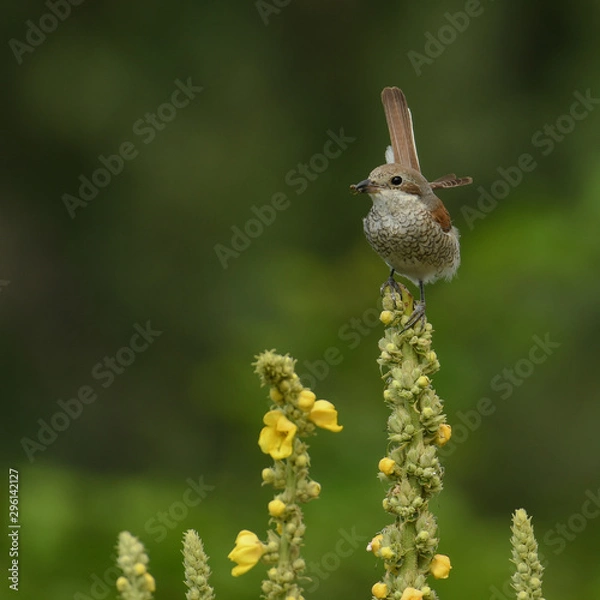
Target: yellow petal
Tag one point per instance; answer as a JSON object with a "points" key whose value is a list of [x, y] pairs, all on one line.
{"points": [[272, 417], [379, 590], [324, 415], [444, 434], [276, 508], [247, 552], [306, 400], [267, 439], [411, 593], [277, 437], [375, 544], [386, 465], [440, 566]]}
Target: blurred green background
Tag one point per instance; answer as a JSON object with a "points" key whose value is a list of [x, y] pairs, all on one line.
{"points": [[274, 82]]}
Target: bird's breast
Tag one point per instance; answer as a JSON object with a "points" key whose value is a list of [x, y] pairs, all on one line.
{"points": [[410, 241]]}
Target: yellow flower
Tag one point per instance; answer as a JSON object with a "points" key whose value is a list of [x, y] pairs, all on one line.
{"points": [[411, 593], [444, 433], [306, 400], [277, 437], [276, 508], [324, 415], [375, 544], [440, 566], [379, 590], [139, 568], [386, 465], [247, 552]]}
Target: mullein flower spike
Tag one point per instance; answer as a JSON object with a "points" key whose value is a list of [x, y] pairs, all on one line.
{"points": [[135, 583], [293, 416], [527, 578], [416, 428], [197, 572]]}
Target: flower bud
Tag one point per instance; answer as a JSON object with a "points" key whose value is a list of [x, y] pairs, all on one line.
{"points": [[276, 508], [275, 395], [444, 433], [440, 566], [386, 317], [379, 590], [387, 465], [306, 400]]}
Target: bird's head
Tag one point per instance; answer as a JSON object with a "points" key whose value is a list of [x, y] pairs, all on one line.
{"points": [[393, 181]]}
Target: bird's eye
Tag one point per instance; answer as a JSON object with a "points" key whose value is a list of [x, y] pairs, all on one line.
{"points": [[396, 180]]}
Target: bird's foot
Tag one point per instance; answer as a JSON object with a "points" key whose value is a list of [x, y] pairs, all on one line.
{"points": [[394, 287], [417, 315]]}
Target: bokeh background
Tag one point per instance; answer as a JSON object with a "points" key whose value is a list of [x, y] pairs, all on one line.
{"points": [[275, 80]]}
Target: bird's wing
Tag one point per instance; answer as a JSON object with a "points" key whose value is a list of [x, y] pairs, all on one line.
{"points": [[440, 215], [450, 180]]}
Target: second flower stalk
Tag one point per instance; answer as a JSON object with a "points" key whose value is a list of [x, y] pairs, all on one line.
{"points": [[293, 416]]}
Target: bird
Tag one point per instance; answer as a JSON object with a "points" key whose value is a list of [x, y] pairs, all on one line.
{"points": [[408, 225]]}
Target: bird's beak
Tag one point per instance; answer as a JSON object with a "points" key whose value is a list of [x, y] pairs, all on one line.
{"points": [[366, 185]]}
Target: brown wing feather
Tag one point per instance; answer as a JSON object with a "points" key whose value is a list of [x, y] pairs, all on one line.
{"points": [[441, 216], [400, 126], [451, 180]]}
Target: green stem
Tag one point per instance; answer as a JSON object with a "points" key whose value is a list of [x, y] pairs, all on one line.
{"points": [[289, 496]]}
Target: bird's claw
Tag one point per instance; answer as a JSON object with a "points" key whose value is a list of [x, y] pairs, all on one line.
{"points": [[417, 315], [394, 287]]}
